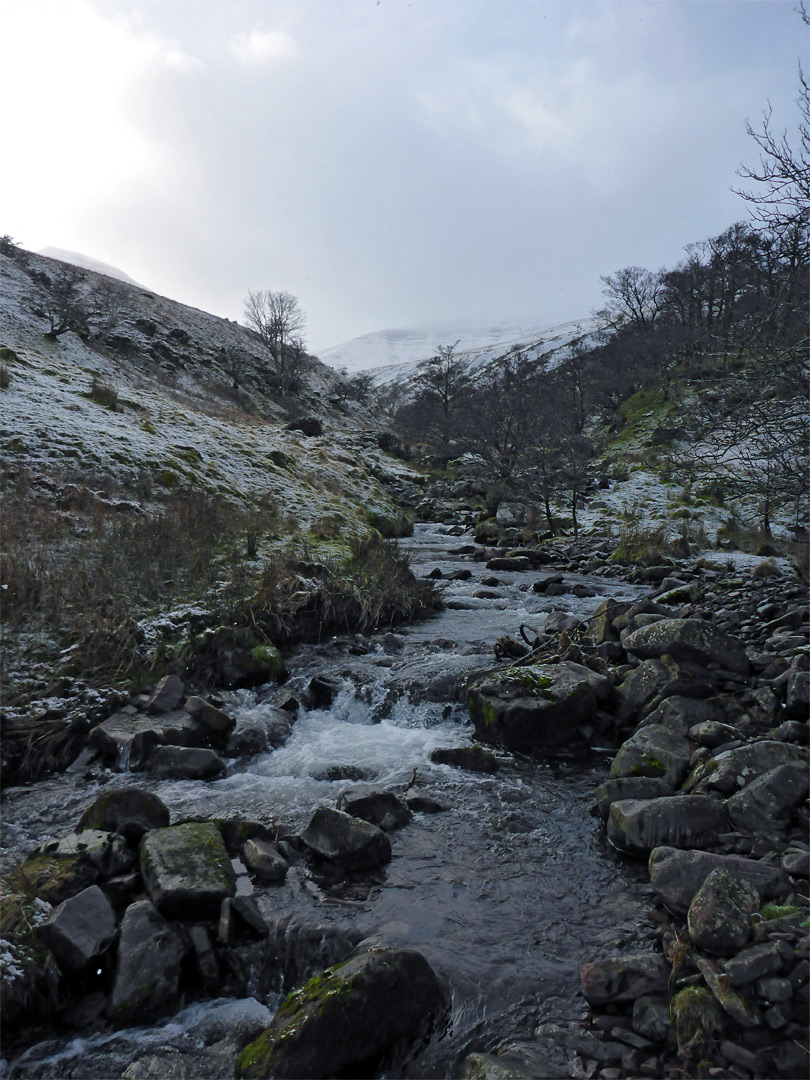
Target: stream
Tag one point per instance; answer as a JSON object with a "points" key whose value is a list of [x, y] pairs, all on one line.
{"points": [[507, 892]]}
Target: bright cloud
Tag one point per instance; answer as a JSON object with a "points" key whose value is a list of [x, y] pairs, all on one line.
{"points": [[263, 46]]}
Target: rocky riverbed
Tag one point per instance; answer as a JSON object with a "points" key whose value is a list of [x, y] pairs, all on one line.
{"points": [[378, 835]]}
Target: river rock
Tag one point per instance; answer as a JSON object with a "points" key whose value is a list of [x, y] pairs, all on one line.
{"points": [[797, 702], [125, 741], [147, 977], [644, 686], [519, 563], [623, 978], [732, 769], [381, 808], [686, 821], [506, 1067], [651, 1017], [676, 875], [209, 715], [80, 929], [350, 842], [264, 860], [186, 870], [185, 763], [681, 713], [654, 750], [689, 640], [128, 811], [628, 787], [348, 1017], [532, 709], [755, 962], [766, 805], [166, 696], [697, 1021], [473, 758], [719, 917]]}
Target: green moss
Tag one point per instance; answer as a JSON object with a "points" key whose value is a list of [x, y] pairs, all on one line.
{"points": [[15, 446], [778, 911], [189, 454], [696, 1018], [269, 658], [650, 766], [168, 478], [529, 680]]}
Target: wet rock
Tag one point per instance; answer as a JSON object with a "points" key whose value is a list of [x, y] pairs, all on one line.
{"points": [[205, 959], [712, 734], [264, 860], [719, 917], [81, 929], [490, 1067], [685, 821], [796, 863], [348, 1018], [186, 870], [54, 878], [423, 804], [654, 750], [797, 701], [629, 787], [126, 741], [351, 843], [248, 738], [532, 709], [240, 916], [209, 715], [167, 695], [185, 763], [676, 875], [732, 769], [766, 805], [473, 758], [623, 978], [681, 713], [643, 687], [381, 808], [651, 1017], [321, 692], [147, 977], [689, 640], [517, 564]]}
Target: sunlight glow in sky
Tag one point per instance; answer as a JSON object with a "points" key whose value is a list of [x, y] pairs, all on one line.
{"points": [[394, 163]]}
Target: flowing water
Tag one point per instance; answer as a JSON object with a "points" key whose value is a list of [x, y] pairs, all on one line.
{"points": [[507, 892]]}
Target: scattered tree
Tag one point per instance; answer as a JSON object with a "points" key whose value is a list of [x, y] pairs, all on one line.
{"points": [[280, 323]]}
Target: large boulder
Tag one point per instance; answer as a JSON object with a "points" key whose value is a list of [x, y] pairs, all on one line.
{"points": [[654, 750], [166, 696], [186, 870], [348, 1020], [688, 640], [349, 842], [147, 977], [719, 917], [81, 929], [644, 687], [128, 811], [732, 769], [766, 805], [533, 709], [628, 787], [676, 875], [685, 821], [680, 714], [264, 860]]}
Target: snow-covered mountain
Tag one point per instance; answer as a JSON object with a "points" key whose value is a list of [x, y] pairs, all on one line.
{"points": [[86, 262], [393, 355]]}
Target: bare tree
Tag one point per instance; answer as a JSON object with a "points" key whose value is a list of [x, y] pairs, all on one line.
{"points": [[443, 379], [633, 296], [280, 323], [62, 303]]}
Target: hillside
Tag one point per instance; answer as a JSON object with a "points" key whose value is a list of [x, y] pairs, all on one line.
{"points": [[393, 355]]}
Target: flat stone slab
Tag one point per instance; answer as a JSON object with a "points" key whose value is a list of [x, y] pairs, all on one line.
{"points": [[187, 870], [676, 875], [689, 640], [685, 821]]}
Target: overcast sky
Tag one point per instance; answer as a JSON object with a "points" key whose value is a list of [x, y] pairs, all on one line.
{"points": [[392, 163]]}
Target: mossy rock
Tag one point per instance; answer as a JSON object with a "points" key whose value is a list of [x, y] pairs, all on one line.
{"points": [[53, 878], [350, 1019], [697, 1019], [187, 870]]}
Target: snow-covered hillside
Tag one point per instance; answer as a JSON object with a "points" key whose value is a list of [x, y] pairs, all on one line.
{"points": [[392, 355], [86, 262]]}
